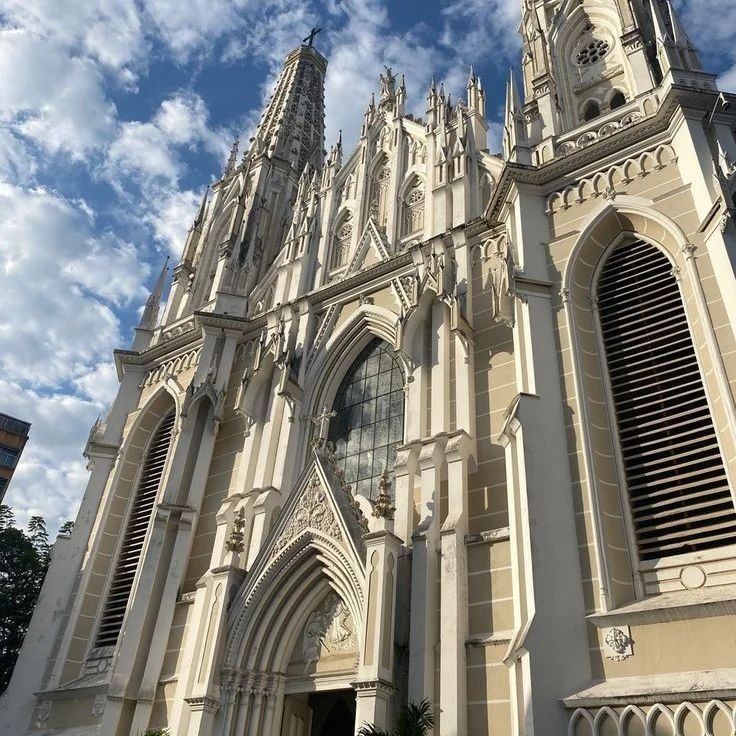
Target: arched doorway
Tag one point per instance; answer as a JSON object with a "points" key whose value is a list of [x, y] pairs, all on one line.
{"points": [[333, 713], [319, 673]]}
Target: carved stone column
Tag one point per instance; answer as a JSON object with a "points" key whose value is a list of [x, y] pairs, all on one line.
{"points": [[454, 589], [374, 688]]}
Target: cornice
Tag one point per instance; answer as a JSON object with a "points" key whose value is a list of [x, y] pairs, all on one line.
{"points": [[163, 349], [554, 173], [393, 264], [229, 321]]}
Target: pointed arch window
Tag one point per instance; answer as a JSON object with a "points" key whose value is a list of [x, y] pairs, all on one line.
{"points": [[618, 99], [135, 534], [592, 111], [678, 491], [379, 197], [412, 220], [341, 242], [369, 425]]}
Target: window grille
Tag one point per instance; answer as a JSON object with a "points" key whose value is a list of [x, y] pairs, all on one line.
{"points": [[135, 534], [8, 456], [369, 425], [678, 489]]}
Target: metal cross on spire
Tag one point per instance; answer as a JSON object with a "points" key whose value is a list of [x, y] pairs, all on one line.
{"points": [[309, 40]]}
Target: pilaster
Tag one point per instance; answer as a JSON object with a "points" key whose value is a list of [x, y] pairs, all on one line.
{"points": [[550, 625], [454, 590], [376, 669], [424, 603]]}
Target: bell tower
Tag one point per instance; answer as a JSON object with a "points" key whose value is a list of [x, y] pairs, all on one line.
{"points": [[242, 223], [582, 61]]}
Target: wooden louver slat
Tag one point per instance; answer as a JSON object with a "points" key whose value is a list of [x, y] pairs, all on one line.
{"points": [[135, 533], [678, 490]]}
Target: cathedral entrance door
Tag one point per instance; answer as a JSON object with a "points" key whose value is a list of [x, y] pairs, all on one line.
{"points": [[319, 714], [333, 713]]}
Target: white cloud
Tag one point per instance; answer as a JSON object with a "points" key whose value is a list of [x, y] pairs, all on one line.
{"points": [[100, 384], [142, 150], [153, 150], [63, 281], [480, 30], [109, 31], [56, 100], [17, 162], [184, 119], [51, 475], [171, 218]]}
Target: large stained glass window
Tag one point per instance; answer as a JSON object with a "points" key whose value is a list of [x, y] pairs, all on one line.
{"points": [[369, 421]]}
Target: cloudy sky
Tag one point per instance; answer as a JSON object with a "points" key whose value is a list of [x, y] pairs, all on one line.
{"points": [[114, 115]]}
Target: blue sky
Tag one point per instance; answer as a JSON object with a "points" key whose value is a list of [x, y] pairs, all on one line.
{"points": [[115, 114]]}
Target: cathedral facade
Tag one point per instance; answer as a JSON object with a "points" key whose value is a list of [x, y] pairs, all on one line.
{"points": [[419, 422]]}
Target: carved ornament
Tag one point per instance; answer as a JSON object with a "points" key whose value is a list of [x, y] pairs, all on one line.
{"points": [[329, 630], [312, 512], [618, 643]]}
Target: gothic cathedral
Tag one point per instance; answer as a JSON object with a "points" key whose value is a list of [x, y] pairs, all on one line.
{"points": [[423, 422]]}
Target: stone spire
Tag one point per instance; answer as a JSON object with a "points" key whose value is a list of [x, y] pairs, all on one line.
{"points": [[232, 161], [153, 304], [514, 130], [293, 124]]}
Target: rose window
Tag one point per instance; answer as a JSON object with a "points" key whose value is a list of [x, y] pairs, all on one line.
{"points": [[593, 51]]}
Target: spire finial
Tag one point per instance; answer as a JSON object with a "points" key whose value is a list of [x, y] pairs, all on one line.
{"points": [[309, 40], [150, 313], [233, 159]]}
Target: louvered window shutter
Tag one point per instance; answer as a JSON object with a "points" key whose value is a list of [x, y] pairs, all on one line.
{"points": [[678, 490], [135, 534]]}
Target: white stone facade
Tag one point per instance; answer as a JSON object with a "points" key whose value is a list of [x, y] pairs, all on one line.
{"points": [[495, 562]]}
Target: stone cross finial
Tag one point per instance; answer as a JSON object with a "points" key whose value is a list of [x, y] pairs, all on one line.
{"points": [[309, 40], [323, 422]]}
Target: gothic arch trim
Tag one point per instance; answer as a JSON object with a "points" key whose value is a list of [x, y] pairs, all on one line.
{"points": [[414, 176], [171, 388], [338, 354], [304, 551], [641, 216], [122, 489]]}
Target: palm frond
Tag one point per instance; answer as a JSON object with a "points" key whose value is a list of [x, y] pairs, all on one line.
{"points": [[415, 720], [370, 730]]}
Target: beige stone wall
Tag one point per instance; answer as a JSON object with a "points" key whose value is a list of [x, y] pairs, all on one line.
{"points": [[658, 648], [490, 587]]}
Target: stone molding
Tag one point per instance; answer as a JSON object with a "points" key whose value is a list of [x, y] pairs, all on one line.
{"points": [[631, 720]]}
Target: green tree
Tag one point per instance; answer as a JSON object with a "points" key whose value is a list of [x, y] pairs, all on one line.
{"points": [[40, 538], [6, 517], [66, 528], [24, 559], [412, 720]]}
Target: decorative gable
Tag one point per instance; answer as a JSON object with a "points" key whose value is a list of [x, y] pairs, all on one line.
{"points": [[319, 504], [372, 248]]}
